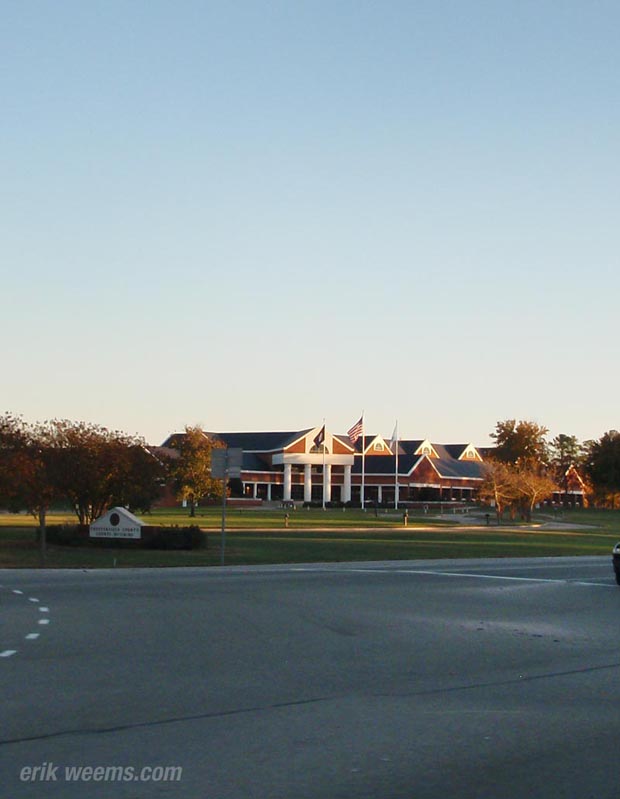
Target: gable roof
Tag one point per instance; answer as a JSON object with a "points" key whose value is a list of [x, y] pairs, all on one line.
{"points": [[368, 441], [424, 445], [461, 470], [344, 439], [460, 451], [377, 445]]}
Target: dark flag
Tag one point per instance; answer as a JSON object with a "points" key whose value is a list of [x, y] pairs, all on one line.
{"points": [[320, 437]]}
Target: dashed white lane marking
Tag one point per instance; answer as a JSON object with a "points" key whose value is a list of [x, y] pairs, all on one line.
{"points": [[471, 575], [482, 576], [7, 653]]}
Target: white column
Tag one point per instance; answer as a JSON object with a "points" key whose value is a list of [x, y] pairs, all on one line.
{"points": [[346, 489], [380, 494], [307, 482], [287, 481], [327, 482], [268, 492]]}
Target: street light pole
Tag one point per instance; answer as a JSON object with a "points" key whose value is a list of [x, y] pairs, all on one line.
{"points": [[223, 537]]}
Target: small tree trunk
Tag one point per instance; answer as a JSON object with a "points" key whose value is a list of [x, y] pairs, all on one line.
{"points": [[192, 508]]}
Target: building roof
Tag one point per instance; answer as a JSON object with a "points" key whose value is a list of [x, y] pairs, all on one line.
{"points": [[487, 452], [409, 446], [163, 453], [260, 442], [385, 464], [248, 441], [451, 467], [445, 467], [344, 439], [259, 446], [453, 450]]}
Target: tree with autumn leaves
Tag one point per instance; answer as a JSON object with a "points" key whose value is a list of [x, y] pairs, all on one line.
{"points": [[601, 464], [191, 469], [532, 463], [88, 466], [97, 468], [27, 471], [515, 487], [518, 477], [521, 441]]}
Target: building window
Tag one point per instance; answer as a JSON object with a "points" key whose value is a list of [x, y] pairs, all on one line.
{"points": [[378, 446]]}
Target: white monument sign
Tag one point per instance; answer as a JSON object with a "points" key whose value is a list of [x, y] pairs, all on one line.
{"points": [[117, 523]]}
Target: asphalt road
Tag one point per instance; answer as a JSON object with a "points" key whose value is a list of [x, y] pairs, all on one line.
{"points": [[412, 680]]}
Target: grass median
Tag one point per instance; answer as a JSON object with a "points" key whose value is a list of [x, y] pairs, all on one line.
{"points": [[262, 537]]}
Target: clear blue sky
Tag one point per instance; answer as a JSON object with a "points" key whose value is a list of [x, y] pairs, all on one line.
{"points": [[253, 215]]}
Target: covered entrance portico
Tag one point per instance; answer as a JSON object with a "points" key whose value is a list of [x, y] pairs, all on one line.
{"points": [[329, 472]]}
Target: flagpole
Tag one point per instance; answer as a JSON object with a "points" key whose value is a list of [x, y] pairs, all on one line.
{"points": [[363, 457], [324, 481], [396, 470]]}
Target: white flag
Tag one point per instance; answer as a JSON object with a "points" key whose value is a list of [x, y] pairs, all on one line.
{"points": [[394, 439]]}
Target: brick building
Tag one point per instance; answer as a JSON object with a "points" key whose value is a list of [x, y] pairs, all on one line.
{"points": [[315, 464]]}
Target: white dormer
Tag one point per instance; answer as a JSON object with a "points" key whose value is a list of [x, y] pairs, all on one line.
{"points": [[470, 453], [377, 446], [426, 448]]}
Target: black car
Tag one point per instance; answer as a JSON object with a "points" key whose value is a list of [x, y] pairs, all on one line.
{"points": [[616, 557]]}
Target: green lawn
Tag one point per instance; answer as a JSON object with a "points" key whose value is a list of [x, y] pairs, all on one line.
{"points": [[260, 537], [252, 518], [605, 519], [266, 519]]}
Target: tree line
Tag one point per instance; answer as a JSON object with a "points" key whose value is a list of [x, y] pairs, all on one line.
{"points": [[91, 469], [526, 468]]}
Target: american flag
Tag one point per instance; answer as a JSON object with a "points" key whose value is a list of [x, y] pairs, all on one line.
{"points": [[356, 431]]}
